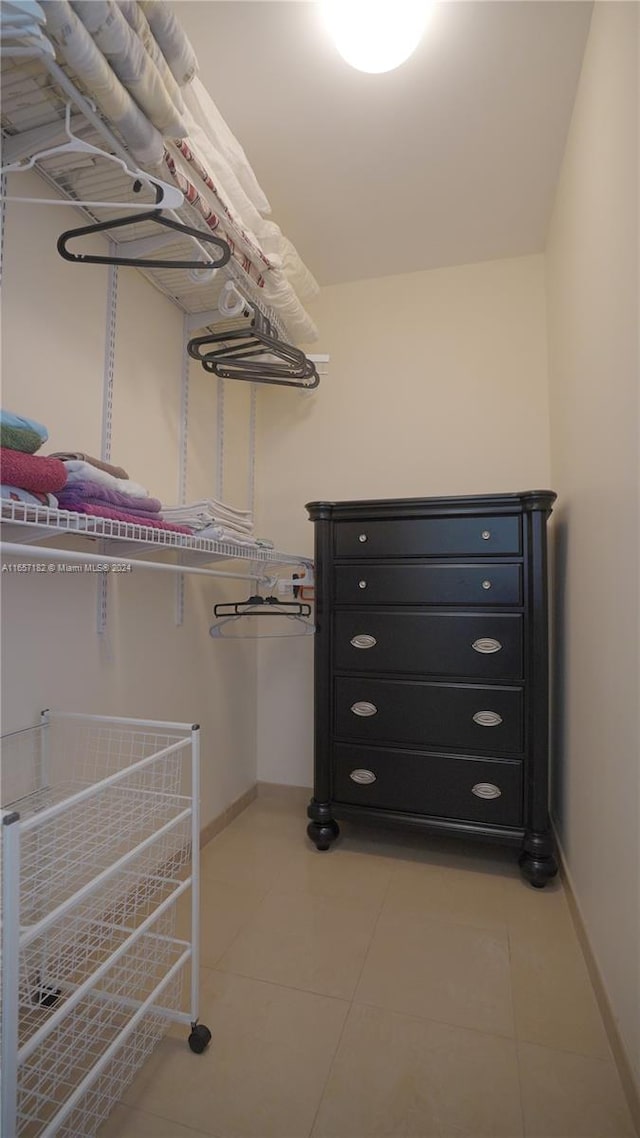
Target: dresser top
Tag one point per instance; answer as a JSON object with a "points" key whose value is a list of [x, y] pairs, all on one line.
{"points": [[526, 501]]}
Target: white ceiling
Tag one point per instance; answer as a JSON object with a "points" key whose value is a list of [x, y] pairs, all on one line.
{"points": [[453, 158]]}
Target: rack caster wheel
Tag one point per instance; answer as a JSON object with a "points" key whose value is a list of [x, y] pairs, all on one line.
{"points": [[199, 1038]]}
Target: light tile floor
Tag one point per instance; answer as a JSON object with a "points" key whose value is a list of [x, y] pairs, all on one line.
{"points": [[393, 987]]}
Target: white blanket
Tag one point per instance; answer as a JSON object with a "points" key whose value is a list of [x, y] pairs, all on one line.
{"points": [[131, 61], [75, 46], [175, 46]]}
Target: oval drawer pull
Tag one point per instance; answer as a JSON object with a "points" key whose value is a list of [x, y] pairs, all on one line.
{"points": [[486, 584], [362, 584], [486, 644], [364, 708], [363, 776], [486, 790], [486, 534], [362, 537], [487, 718], [363, 640]]}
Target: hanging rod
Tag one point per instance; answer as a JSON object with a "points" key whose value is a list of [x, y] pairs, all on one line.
{"points": [[46, 553]]}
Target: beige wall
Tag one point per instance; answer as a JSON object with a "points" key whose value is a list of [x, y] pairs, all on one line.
{"points": [[437, 385], [53, 323], [592, 281]]}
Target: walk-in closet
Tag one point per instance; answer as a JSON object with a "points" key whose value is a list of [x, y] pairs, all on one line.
{"points": [[320, 530]]}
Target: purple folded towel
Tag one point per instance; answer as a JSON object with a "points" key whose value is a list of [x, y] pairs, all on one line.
{"points": [[70, 501], [103, 496]]}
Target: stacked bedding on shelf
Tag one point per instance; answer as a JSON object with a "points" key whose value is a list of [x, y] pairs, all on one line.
{"points": [[135, 62], [78, 483], [24, 475], [94, 490]]}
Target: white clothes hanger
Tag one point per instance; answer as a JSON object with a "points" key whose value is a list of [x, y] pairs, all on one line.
{"points": [[231, 302], [172, 197], [296, 626]]}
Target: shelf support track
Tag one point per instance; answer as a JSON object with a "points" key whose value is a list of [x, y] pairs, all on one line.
{"points": [[184, 454], [107, 413]]}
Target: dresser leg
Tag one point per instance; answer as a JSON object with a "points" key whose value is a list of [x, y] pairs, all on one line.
{"points": [[322, 829], [537, 861]]}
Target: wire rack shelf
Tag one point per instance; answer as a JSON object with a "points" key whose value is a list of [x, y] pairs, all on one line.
{"points": [[28, 530], [35, 94], [100, 834]]}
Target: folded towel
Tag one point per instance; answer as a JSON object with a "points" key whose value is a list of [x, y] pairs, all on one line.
{"points": [[223, 533], [17, 494], [8, 419], [31, 472], [86, 490], [80, 471], [124, 516], [80, 456], [198, 523], [210, 507], [20, 438], [208, 511]]}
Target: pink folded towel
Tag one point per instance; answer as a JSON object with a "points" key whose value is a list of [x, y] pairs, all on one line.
{"points": [[122, 516], [31, 472]]}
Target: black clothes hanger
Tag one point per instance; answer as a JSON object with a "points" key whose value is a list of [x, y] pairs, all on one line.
{"points": [[250, 335], [142, 262], [223, 371], [261, 606], [255, 354], [229, 613]]}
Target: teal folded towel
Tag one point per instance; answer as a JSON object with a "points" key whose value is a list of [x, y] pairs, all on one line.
{"points": [[20, 438], [8, 419]]}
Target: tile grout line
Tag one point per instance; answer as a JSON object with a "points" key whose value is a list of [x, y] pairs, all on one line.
{"points": [[441, 1022], [163, 1118], [214, 967], [351, 1003], [515, 1035], [278, 984]]}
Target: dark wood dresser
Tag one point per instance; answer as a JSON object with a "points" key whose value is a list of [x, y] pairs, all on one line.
{"points": [[431, 669]]}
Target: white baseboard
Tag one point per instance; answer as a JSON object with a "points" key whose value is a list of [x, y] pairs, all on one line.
{"points": [[216, 825], [621, 1058]]}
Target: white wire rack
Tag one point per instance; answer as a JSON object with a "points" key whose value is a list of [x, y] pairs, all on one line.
{"points": [[27, 531], [100, 839], [35, 93]]}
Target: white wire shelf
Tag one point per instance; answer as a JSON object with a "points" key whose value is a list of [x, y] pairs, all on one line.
{"points": [[27, 531], [77, 1044], [34, 96], [100, 829]]}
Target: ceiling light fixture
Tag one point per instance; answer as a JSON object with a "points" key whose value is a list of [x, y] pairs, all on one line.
{"points": [[376, 35]]}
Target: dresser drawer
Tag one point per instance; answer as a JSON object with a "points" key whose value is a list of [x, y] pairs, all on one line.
{"points": [[450, 786], [482, 647], [428, 537], [369, 584], [428, 714]]}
